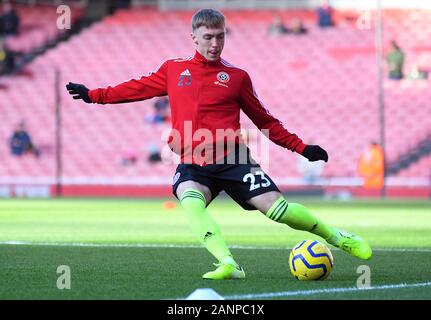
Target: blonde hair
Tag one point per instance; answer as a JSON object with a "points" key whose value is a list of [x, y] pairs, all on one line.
{"points": [[209, 18]]}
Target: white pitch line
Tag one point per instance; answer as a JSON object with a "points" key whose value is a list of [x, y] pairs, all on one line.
{"points": [[244, 296], [179, 246], [101, 245], [319, 291]]}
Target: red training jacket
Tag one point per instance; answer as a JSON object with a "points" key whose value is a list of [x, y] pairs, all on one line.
{"points": [[203, 95]]}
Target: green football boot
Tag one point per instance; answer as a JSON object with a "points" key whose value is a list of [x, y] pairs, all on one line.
{"points": [[225, 271], [354, 245]]}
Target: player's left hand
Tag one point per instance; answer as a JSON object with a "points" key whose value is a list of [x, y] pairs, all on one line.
{"points": [[315, 153]]}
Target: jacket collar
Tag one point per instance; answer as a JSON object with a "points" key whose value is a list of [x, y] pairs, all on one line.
{"points": [[201, 59]]}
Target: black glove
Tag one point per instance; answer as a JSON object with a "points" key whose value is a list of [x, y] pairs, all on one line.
{"points": [[315, 153], [78, 91]]}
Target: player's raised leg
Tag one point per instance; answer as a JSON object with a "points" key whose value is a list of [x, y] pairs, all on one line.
{"points": [[194, 197], [298, 217]]}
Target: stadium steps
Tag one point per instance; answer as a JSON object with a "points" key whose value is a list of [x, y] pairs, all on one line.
{"points": [[39, 33], [415, 155]]}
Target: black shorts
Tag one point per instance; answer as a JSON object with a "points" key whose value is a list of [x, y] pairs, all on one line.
{"points": [[240, 181]]}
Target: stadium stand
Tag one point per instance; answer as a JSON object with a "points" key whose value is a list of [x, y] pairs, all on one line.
{"points": [[323, 86], [37, 27]]}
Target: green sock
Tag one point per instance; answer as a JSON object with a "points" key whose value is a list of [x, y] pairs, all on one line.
{"points": [[299, 217], [204, 227]]}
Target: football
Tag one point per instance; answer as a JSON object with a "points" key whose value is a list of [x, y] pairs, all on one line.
{"points": [[310, 260]]}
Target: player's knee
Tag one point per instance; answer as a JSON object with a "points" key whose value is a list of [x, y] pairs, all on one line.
{"points": [[187, 185], [265, 201], [193, 199]]}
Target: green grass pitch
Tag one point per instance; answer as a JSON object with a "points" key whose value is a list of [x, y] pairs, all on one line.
{"points": [[136, 249]]}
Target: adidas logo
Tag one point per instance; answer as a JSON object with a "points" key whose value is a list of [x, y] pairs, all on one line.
{"points": [[186, 73], [207, 235], [185, 79]]}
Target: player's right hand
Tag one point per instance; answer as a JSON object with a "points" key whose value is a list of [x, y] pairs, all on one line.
{"points": [[78, 91], [315, 153]]}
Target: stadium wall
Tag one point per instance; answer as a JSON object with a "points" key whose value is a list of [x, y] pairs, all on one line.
{"points": [[164, 191]]}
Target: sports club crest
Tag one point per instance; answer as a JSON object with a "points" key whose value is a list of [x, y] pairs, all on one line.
{"points": [[223, 77], [176, 177]]}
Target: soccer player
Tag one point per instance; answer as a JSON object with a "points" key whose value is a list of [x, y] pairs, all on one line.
{"points": [[206, 95]]}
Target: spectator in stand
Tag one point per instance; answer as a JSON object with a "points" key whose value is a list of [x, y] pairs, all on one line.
{"points": [[277, 26], [129, 159], [297, 26], [324, 14], [154, 154], [395, 60], [7, 58], [371, 166], [21, 142], [311, 171], [161, 111], [9, 20]]}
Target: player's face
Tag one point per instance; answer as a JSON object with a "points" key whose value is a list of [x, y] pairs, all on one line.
{"points": [[209, 42]]}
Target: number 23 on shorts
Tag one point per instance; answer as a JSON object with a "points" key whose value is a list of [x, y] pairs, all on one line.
{"points": [[250, 177]]}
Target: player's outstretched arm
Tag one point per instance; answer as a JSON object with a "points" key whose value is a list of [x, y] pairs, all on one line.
{"points": [[315, 153], [78, 91], [152, 85]]}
